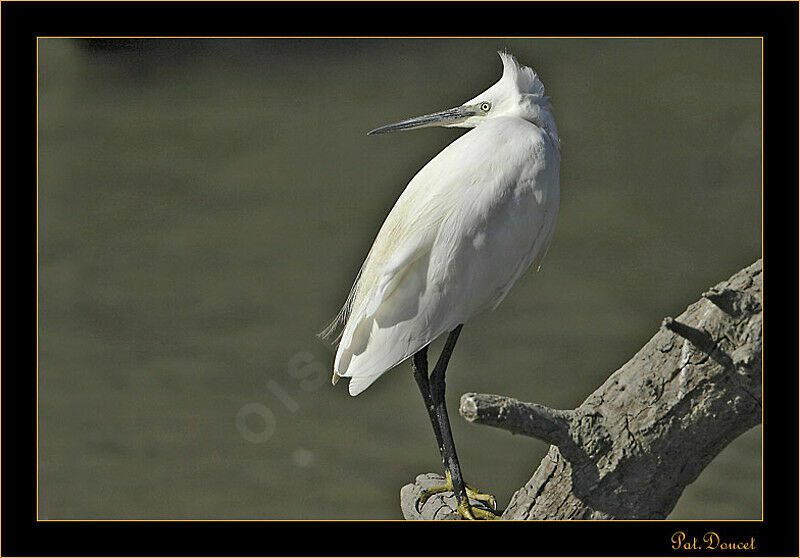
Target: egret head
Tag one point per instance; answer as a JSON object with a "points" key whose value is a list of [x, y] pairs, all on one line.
{"points": [[518, 93]]}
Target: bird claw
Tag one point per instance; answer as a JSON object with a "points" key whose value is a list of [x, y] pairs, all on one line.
{"points": [[464, 508], [428, 492], [473, 493], [474, 513]]}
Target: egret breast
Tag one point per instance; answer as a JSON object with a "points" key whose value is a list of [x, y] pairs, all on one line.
{"points": [[510, 217]]}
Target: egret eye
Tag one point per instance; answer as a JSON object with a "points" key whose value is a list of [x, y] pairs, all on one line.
{"points": [[485, 107]]}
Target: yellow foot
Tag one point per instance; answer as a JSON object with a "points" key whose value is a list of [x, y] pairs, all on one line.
{"points": [[428, 492], [480, 496], [468, 512], [464, 507]]}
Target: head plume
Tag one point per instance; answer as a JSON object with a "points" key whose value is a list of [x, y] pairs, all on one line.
{"points": [[522, 77]]}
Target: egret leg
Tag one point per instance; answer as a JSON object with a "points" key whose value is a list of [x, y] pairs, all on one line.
{"points": [[437, 410], [419, 365]]}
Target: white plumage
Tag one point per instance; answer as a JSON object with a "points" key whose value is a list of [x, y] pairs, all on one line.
{"points": [[469, 223]]}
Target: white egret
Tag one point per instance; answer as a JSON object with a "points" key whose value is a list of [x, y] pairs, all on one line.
{"points": [[467, 226]]}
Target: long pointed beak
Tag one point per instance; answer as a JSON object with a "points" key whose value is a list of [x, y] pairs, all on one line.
{"points": [[444, 118]]}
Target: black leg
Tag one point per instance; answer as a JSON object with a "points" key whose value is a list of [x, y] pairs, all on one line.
{"points": [[432, 390], [419, 364], [447, 445]]}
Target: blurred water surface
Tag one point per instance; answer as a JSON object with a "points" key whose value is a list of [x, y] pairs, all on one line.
{"points": [[205, 205]]}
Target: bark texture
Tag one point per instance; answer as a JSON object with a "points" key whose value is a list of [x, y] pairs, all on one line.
{"points": [[629, 450]]}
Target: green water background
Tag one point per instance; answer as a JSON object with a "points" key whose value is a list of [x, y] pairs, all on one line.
{"points": [[205, 205]]}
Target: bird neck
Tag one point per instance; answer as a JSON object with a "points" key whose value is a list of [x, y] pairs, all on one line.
{"points": [[544, 120], [536, 110]]}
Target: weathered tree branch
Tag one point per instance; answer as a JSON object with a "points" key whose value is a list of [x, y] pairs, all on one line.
{"points": [[631, 448]]}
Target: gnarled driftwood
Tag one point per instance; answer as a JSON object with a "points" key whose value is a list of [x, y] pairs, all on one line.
{"points": [[630, 449]]}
